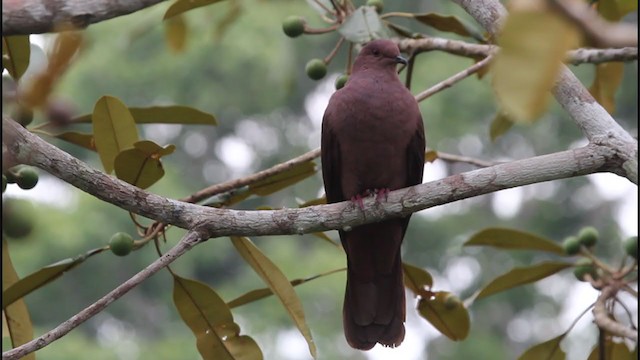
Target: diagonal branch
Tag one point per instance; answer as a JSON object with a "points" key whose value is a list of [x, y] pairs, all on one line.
{"points": [[24, 17], [605, 322]]}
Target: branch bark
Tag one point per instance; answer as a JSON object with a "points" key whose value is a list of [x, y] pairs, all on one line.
{"points": [[606, 323], [24, 17]]}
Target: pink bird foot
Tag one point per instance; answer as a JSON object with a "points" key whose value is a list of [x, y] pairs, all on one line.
{"points": [[382, 193], [357, 200]]}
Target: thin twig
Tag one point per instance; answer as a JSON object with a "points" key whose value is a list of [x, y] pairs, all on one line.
{"points": [[188, 241], [334, 51], [464, 159], [454, 79], [603, 320]]}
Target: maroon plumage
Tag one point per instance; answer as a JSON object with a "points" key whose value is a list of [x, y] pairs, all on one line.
{"points": [[373, 140]]}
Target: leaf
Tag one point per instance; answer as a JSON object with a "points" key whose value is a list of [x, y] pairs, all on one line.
{"points": [[417, 279], [278, 283], [614, 10], [114, 130], [326, 238], [175, 33], [16, 315], [533, 45], [500, 125], [430, 156], [81, 139], [42, 277], [363, 25], [521, 276], [174, 114], [234, 12], [210, 320], [16, 51], [317, 201], [606, 83], [548, 350], [180, 6], [503, 238], [448, 24], [258, 294], [613, 350], [451, 319], [141, 166], [279, 181]]}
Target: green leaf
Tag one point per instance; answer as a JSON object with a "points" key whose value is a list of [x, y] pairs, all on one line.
{"points": [[363, 25], [38, 279], [210, 320], [521, 276], [174, 114], [326, 238], [278, 283], [141, 166], [503, 238], [500, 125], [417, 279], [81, 139], [448, 24], [613, 350], [114, 130], [606, 83], [175, 33], [452, 320], [16, 51], [180, 6], [16, 315], [284, 179], [548, 350], [614, 10], [533, 45], [258, 294]]}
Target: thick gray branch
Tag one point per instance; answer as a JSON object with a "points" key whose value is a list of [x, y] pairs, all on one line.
{"points": [[23, 17], [20, 146]]}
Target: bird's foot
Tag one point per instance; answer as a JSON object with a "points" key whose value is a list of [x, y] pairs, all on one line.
{"points": [[381, 194], [357, 200]]}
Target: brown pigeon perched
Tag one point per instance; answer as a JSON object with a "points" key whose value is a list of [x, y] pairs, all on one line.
{"points": [[373, 142]]}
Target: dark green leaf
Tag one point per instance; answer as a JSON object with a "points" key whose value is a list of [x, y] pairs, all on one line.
{"points": [[363, 25], [114, 130], [613, 350], [175, 33], [451, 320], [503, 238], [521, 276], [284, 179], [548, 350], [499, 126], [16, 51], [141, 165], [180, 6], [81, 139], [416, 279], [174, 114]]}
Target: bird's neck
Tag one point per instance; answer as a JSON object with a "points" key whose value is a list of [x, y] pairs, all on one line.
{"points": [[386, 75]]}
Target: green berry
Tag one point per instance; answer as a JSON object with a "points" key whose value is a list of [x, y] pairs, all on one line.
{"points": [[571, 245], [293, 26], [17, 218], [378, 4], [583, 267], [588, 236], [341, 80], [27, 178], [316, 69], [631, 247], [121, 244]]}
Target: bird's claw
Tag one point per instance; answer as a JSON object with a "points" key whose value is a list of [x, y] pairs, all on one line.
{"points": [[381, 193], [358, 201]]}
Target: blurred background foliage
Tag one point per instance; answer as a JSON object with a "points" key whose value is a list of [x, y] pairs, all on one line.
{"points": [[238, 65]]}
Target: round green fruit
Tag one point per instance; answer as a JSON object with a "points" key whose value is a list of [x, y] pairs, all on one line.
{"points": [[631, 247], [341, 81], [316, 69], [293, 26], [571, 245], [121, 244], [27, 178], [17, 218], [583, 267], [378, 4], [588, 236]]}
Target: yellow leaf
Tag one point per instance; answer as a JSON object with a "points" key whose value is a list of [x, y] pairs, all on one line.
{"points": [[80, 139], [16, 51], [141, 166], [430, 156], [533, 44], [210, 320], [606, 83], [114, 130], [174, 114], [614, 10], [17, 315], [613, 350], [450, 318], [448, 24], [521, 276], [500, 125], [175, 32], [503, 238], [278, 283], [548, 350], [416, 279], [180, 6], [284, 179]]}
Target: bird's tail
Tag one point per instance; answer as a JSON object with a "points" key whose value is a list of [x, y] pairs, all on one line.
{"points": [[374, 303]]}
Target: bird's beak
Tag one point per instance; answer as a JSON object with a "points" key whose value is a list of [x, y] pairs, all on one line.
{"points": [[401, 60]]}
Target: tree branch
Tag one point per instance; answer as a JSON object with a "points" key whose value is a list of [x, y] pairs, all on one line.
{"points": [[602, 319], [24, 17], [188, 241], [20, 146]]}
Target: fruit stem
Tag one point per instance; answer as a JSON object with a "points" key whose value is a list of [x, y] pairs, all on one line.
{"points": [[333, 52], [315, 31]]}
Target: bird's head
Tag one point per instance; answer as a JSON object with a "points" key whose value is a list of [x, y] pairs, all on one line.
{"points": [[379, 53]]}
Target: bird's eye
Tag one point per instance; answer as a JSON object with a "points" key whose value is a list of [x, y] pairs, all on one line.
{"points": [[376, 52]]}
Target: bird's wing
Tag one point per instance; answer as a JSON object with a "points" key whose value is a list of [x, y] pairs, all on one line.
{"points": [[330, 156], [415, 155]]}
